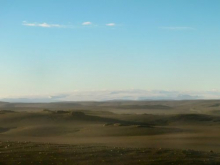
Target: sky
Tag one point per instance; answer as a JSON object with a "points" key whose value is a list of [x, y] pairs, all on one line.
{"points": [[61, 46]]}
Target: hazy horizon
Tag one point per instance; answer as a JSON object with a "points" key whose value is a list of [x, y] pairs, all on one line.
{"points": [[113, 95]]}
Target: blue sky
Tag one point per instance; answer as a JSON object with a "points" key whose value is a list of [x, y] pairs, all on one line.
{"points": [[58, 46]]}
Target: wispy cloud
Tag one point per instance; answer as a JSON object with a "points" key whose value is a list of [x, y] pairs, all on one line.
{"points": [[110, 24], [177, 28], [50, 25], [44, 25], [87, 23]]}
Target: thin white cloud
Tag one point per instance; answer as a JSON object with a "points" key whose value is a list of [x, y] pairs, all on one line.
{"points": [[29, 24], [48, 25], [110, 24], [87, 23], [44, 25], [177, 28]]}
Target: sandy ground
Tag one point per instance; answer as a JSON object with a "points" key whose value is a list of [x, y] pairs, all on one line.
{"points": [[192, 125]]}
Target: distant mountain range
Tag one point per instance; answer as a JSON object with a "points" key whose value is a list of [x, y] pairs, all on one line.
{"points": [[107, 95]]}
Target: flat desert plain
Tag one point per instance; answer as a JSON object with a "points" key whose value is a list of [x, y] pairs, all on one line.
{"points": [[113, 132]]}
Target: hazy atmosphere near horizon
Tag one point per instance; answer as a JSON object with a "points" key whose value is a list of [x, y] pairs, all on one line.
{"points": [[71, 50]]}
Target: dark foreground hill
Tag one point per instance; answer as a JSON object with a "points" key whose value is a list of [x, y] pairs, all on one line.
{"points": [[28, 153]]}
